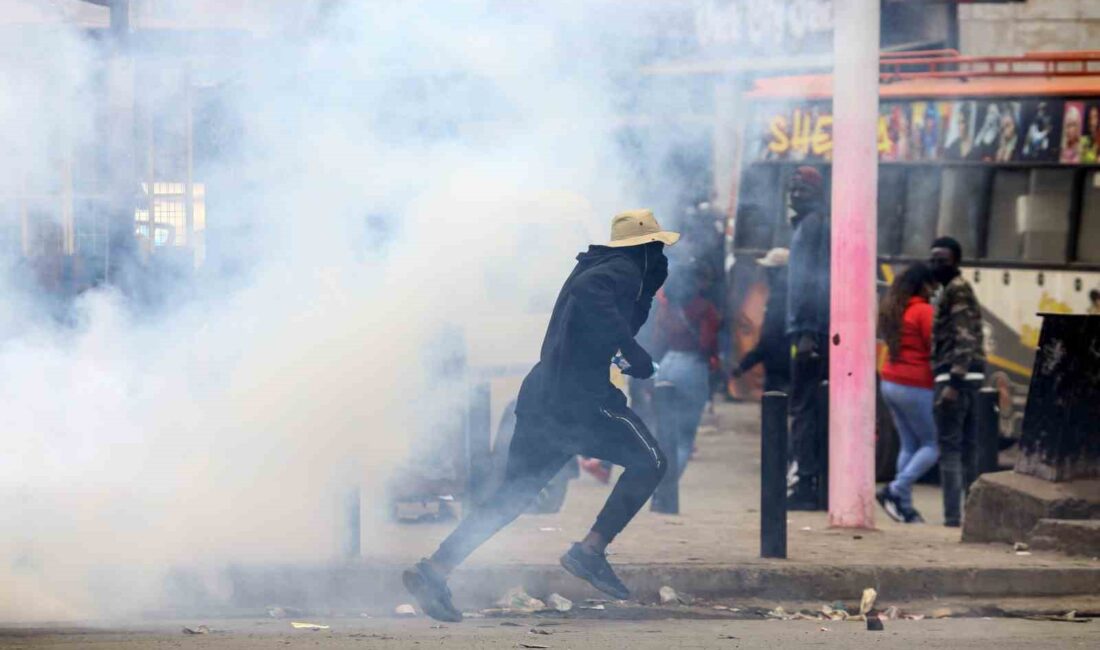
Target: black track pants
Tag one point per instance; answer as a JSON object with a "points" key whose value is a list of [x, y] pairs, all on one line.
{"points": [[540, 447]]}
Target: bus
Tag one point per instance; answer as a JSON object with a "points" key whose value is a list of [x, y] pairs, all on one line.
{"points": [[1002, 153]]}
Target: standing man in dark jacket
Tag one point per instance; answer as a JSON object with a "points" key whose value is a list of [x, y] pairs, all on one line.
{"points": [[958, 367], [808, 329], [568, 406], [774, 347]]}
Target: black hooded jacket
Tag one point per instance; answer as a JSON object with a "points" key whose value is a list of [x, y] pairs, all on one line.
{"points": [[601, 307]]}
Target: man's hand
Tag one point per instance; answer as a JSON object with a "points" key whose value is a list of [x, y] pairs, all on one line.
{"points": [[641, 364], [949, 394]]}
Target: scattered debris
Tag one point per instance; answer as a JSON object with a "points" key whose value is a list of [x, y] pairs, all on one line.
{"points": [[536, 630], [518, 599], [439, 627], [668, 595], [839, 606], [510, 624], [806, 528], [1068, 617], [823, 629], [726, 636], [534, 645], [857, 536], [596, 601], [307, 626], [559, 602], [942, 612], [1020, 546], [874, 624], [1024, 553], [721, 608], [595, 607], [867, 602], [834, 613], [202, 629], [892, 613], [778, 613], [472, 615], [914, 617]]}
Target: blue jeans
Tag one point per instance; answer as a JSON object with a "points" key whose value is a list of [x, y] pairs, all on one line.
{"points": [[689, 374], [911, 408]]}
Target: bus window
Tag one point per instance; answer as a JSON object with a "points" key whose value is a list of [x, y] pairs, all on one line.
{"points": [[1043, 215], [891, 207], [1088, 238], [921, 210], [1003, 239], [962, 198], [759, 208]]}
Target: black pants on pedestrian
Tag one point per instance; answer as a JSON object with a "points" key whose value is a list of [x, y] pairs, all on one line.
{"points": [[540, 446], [956, 431], [807, 409]]}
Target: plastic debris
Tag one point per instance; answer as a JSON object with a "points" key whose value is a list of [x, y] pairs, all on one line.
{"points": [[823, 629], [405, 610], [202, 629], [839, 606], [942, 612], [892, 613], [536, 630], [559, 602], [778, 613], [307, 626], [510, 624], [1023, 553], [867, 602], [914, 617], [534, 645], [518, 599], [668, 595], [806, 528], [726, 636], [1068, 617], [874, 624], [833, 613], [1020, 546], [595, 607]]}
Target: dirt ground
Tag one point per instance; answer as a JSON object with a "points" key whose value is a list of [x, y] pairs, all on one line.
{"points": [[718, 524], [1000, 634]]}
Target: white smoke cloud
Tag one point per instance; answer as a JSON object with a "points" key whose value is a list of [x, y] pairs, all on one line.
{"points": [[224, 425]]}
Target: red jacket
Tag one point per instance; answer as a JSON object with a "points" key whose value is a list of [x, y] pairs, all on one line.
{"points": [[913, 367], [692, 328]]}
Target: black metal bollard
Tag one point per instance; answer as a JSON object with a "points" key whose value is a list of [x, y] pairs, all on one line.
{"points": [[988, 443], [479, 462], [823, 446], [666, 498], [773, 475]]}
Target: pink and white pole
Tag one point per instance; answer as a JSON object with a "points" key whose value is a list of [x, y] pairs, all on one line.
{"points": [[854, 239]]}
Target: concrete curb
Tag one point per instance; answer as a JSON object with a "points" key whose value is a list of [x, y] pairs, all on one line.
{"points": [[360, 587]]}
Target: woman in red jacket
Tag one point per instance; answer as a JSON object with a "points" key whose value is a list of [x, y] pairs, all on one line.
{"points": [[905, 324]]}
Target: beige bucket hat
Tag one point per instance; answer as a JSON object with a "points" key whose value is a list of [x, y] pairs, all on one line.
{"points": [[775, 257], [637, 227]]}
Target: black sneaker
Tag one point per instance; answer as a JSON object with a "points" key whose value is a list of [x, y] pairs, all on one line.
{"points": [[594, 569], [890, 504], [912, 516], [430, 590]]}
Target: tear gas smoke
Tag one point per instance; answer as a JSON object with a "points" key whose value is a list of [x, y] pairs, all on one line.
{"points": [[222, 425]]}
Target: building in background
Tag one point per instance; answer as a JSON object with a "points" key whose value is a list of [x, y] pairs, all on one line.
{"points": [[1014, 28]]}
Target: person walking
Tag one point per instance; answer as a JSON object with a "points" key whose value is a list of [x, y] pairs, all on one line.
{"points": [[958, 364], [905, 324], [687, 332], [773, 348], [808, 330], [567, 406]]}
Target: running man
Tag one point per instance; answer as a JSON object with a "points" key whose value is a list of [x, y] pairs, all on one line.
{"points": [[568, 406]]}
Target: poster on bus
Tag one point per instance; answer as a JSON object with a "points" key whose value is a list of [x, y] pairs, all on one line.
{"points": [[978, 130]]}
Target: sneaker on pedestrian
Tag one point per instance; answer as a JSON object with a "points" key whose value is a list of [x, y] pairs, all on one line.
{"points": [[803, 497], [597, 469], [890, 504], [430, 590], [594, 569], [912, 516]]}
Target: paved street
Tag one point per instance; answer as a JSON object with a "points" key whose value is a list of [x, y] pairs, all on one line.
{"points": [[1000, 634]]}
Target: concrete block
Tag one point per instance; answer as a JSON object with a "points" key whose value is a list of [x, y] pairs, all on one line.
{"points": [[1046, 36], [1070, 536], [1048, 10], [1006, 506]]}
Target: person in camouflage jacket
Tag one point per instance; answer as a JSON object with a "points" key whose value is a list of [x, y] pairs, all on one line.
{"points": [[958, 363]]}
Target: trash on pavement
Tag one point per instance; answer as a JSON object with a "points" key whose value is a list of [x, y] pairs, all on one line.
{"points": [[823, 629], [405, 610], [1020, 546], [536, 630], [559, 602], [533, 645], [668, 595], [892, 613], [942, 612], [778, 613], [914, 617], [202, 629], [874, 624], [518, 599], [1023, 553], [307, 626], [833, 613], [599, 607], [867, 602], [1068, 617]]}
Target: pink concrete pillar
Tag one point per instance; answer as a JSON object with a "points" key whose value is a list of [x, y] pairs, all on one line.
{"points": [[853, 300]]}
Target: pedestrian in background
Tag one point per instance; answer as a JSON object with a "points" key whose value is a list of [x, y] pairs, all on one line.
{"points": [[958, 363], [808, 329], [905, 324], [773, 348], [687, 332]]}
